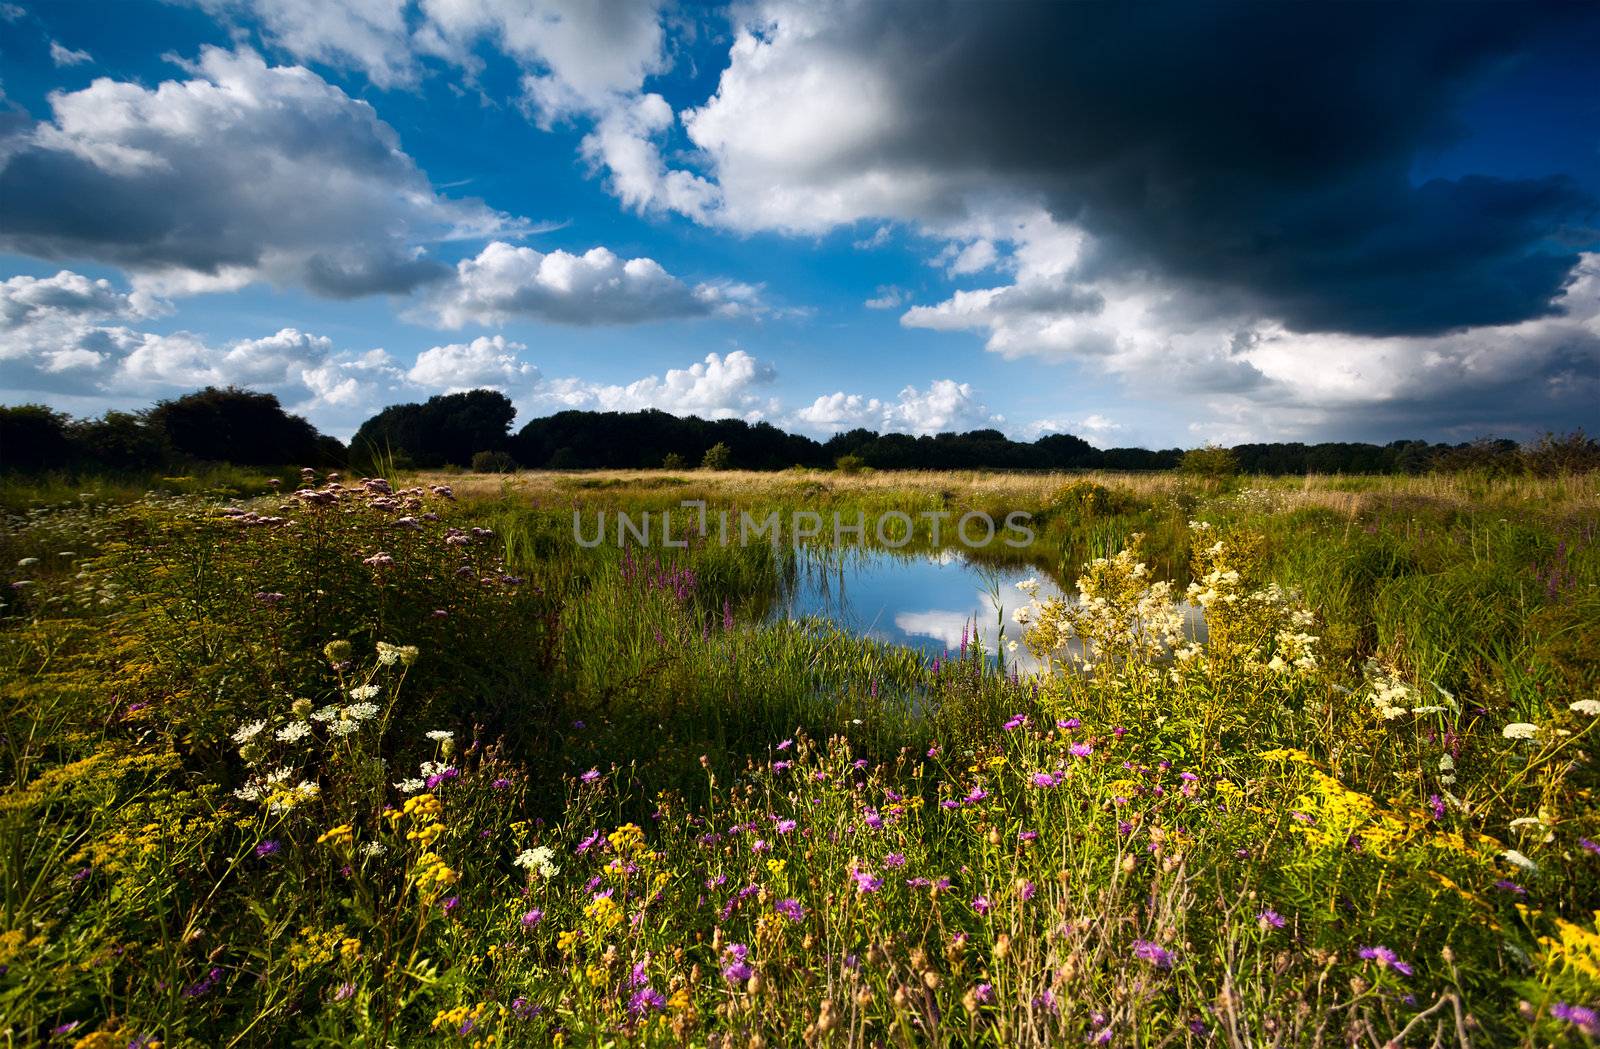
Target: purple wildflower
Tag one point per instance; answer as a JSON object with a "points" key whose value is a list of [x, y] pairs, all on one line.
{"points": [[1386, 959], [1154, 953], [983, 994], [1511, 887], [786, 826], [791, 909], [786, 744], [645, 1000], [1081, 750], [590, 776], [1045, 779], [1270, 919], [895, 860], [532, 918], [1586, 844], [866, 882], [268, 848], [982, 905]]}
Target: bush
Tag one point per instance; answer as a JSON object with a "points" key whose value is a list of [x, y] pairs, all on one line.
{"points": [[717, 457], [674, 461], [493, 463], [849, 464], [1212, 462]]}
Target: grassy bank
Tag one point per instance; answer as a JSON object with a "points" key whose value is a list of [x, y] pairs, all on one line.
{"points": [[379, 766]]}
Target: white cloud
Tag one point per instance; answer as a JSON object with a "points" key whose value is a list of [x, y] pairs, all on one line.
{"points": [[598, 287], [720, 387], [888, 297], [244, 172], [945, 405], [369, 35], [1099, 430], [63, 56], [485, 362]]}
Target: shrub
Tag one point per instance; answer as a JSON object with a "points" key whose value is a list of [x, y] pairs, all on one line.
{"points": [[717, 457], [493, 463], [1211, 462], [849, 464], [674, 461]]}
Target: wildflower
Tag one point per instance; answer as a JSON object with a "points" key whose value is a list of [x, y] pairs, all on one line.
{"points": [[1590, 707], [1028, 835], [1269, 919], [791, 909], [1516, 858], [364, 692], [532, 918], [865, 881], [1155, 954], [538, 859], [895, 860], [1512, 887], [409, 786], [590, 776], [786, 826], [1026, 890], [373, 849], [440, 735], [1436, 806], [451, 904], [1044, 779], [360, 711], [646, 999], [245, 733], [268, 848], [1016, 722], [786, 744], [1589, 846], [294, 732], [1081, 750], [1580, 1016], [1520, 730], [983, 993], [1069, 724], [982, 905], [1386, 959], [780, 766]]}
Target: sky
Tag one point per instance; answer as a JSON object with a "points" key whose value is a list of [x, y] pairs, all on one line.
{"points": [[1158, 224]]}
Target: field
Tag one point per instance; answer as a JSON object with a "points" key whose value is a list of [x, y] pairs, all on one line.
{"points": [[402, 763]]}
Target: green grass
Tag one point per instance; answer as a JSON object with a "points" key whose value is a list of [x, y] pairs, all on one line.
{"points": [[1206, 851]]}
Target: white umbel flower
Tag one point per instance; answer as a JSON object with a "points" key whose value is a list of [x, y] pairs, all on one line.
{"points": [[1520, 730]]}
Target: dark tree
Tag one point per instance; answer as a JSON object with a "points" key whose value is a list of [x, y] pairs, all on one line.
{"points": [[33, 438], [236, 426], [445, 430]]}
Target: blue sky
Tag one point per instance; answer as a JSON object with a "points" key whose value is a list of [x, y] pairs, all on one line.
{"points": [[1300, 223]]}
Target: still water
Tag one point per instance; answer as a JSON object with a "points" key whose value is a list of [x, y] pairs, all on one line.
{"points": [[925, 601]]}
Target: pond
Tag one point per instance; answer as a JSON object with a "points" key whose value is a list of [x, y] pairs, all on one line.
{"points": [[926, 602]]}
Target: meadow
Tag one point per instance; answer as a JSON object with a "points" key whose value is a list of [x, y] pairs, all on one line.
{"points": [[313, 760]]}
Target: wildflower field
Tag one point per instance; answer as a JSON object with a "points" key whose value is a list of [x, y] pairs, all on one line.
{"points": [[364, 762]]}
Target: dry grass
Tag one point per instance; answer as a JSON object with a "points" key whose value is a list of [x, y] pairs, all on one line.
{"points": [[1348, 495]]}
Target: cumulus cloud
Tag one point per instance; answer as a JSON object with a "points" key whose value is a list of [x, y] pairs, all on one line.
{"points": [[720, 387], [369, 35], [486, 362], [505, 281], [243, 172], [70, 335], [945, 405]]}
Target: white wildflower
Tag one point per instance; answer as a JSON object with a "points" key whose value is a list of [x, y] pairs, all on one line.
{"points": [[1517, 858], [364, 692], [439, 735], [360, 711], [538, 859], [249, 731], [1520, 730], [1447, 763], [1526, 821], [327, 713], [1591, 707], [26, 561], [344, 727], [409, 786], [1434, 709], [388, 655], [294, 733], [373, 849]]}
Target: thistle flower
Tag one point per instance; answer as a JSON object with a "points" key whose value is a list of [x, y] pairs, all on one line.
{"points": [[590, 776], [1270, 919], [791, 909], [982, 905], [1081, 750]]}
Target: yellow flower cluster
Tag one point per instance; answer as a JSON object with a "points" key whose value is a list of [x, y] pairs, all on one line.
{"points": [[468, 1020], [340, 835], [433, 874], [604, 911]]}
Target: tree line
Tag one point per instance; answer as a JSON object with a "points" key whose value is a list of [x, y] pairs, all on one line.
{"points": [[474, 430]]}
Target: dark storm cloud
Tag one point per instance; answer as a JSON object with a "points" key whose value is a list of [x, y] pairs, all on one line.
{"points": [[1265, 149]]}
